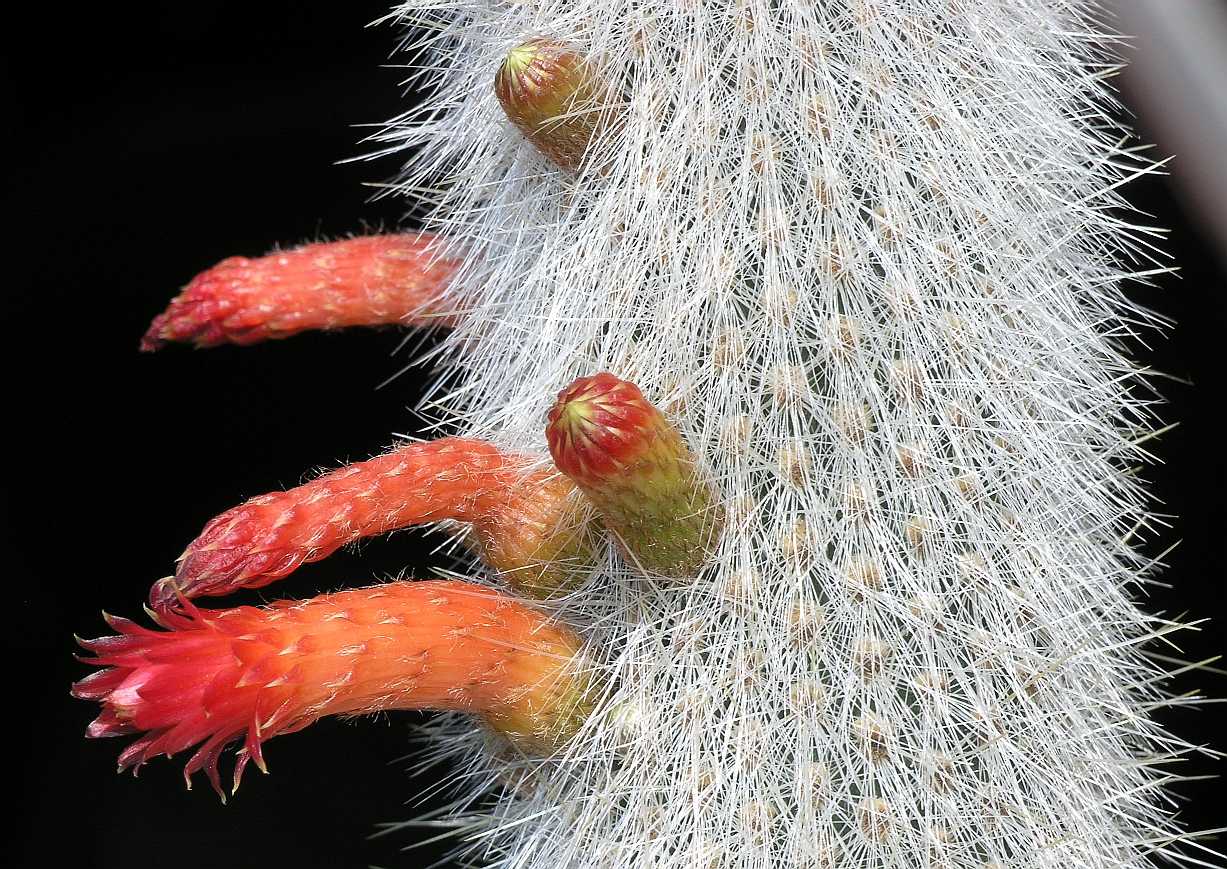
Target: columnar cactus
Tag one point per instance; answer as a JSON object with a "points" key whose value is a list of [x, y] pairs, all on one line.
{"points": [[863, 261]]}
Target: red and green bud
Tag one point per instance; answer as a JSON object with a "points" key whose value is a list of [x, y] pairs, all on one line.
{"points": [[216, 677], [555, 98], [638, 472]]}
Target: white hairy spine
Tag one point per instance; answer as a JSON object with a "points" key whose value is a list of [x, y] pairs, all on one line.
{"points": [[868, 254]]}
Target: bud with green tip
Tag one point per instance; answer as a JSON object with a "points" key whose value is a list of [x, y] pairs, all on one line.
{"points": [[638, 472], [555, 98]]}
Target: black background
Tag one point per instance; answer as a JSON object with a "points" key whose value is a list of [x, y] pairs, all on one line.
{"points": [[152, 141]]}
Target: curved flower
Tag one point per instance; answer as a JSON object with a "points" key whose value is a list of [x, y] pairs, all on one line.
{"points": [[524, 522]]}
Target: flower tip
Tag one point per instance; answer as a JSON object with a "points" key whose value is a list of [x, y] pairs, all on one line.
{"points": [[570, 424], [592, 427], [519, 58], [583, 395], [152, 341]]}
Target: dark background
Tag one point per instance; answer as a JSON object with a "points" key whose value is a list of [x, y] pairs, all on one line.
{"points": [[152, 141]]}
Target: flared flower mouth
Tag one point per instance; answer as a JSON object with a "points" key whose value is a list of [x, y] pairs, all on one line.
{"points": [[210, 678]]}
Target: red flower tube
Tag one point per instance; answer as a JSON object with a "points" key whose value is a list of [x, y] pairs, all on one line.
{"points": [[525, 524], [371, 281]]}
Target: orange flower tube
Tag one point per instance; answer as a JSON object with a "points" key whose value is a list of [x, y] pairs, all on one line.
{"points": [[217, 676]]}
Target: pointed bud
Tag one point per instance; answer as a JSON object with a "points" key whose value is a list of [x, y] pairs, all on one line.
{"points": [[215, 677], [376, 280], [551, 93], [638, 472]]}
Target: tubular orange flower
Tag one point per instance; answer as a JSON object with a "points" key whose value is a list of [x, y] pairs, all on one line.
{"points": [[638, 472], [372, 281], [216, 676], [524, 523]]}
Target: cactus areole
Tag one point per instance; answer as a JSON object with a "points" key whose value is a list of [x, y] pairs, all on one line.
{"points": [[794, 454]]}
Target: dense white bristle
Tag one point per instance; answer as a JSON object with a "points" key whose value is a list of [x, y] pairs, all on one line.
{"points": [[869, 256]]}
